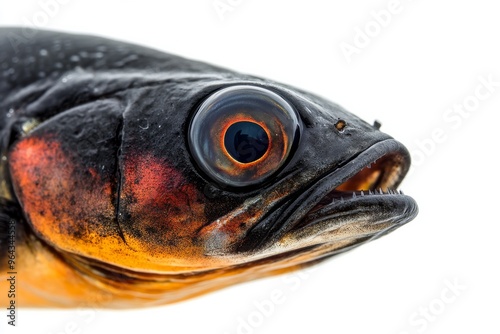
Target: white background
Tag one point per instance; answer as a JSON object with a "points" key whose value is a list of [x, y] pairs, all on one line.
{"points": [[428, 58]]}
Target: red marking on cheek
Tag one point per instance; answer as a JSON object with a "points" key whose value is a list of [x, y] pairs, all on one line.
{"points": [[31, 162], [155, 184], [65, 203], [158, 196]]}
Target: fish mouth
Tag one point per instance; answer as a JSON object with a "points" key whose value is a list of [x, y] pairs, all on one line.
{"points": [[353, 203]]}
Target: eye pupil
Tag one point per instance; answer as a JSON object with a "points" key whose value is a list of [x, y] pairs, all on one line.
{"points": [[246, 141]]}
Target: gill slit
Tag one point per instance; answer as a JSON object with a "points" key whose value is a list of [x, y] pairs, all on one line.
{"points": [[118, 175]]}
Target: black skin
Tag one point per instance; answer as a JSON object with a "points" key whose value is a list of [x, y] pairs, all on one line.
{"points": [[115, 88]]}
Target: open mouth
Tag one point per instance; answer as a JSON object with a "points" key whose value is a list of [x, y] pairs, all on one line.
{"points": [[364, 189], [360, 197], [380, 177]]}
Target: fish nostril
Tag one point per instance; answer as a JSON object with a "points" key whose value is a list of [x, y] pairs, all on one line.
{"points": [[340, 125]]}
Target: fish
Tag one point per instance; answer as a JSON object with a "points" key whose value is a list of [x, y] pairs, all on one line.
{"points": [[133, 178]]}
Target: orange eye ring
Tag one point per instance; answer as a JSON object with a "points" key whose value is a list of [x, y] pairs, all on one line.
{"points": [[241, 135], [223, 138]]}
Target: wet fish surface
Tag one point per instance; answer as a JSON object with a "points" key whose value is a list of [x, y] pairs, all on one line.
{"points": [[134, 178]]}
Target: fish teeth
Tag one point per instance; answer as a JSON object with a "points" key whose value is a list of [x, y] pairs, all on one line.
{"points": [[380, 191]]}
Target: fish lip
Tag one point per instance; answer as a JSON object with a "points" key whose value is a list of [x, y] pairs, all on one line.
{"points": [[402, 208]]}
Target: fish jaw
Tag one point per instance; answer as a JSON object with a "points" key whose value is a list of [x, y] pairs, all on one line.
{"points": [[358, 201], [348, 206]]}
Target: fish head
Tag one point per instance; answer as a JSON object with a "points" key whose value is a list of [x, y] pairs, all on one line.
{"points": [[171, 187]]}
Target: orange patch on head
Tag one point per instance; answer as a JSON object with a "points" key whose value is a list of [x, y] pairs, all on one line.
{"points": [[67, 205], [163, 208]]}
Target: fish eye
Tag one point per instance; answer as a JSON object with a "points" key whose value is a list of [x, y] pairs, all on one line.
{"points": [[241, 135]]}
